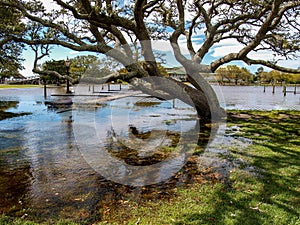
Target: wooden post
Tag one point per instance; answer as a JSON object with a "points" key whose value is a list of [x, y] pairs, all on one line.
{"points": [[295, 89], [68, 87], [264, 88], [93, 89], [273, 91], [45, 90], [120, 86], [108, 86], [284, 90], [89, 88]]}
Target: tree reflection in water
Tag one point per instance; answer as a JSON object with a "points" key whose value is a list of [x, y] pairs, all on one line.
{"points": [[46, 175]]}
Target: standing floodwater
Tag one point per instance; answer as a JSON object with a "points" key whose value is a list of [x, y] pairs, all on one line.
{"points": [[254, 98], [44, 174]]}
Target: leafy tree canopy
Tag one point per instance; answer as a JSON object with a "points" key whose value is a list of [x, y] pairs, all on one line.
{"points": [[100, 26], [277, 76], [233, 73], [78, 67], [10, 51]]}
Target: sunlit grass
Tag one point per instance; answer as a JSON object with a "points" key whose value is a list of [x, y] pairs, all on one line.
{"points": [[19, 86], [267, 195]]}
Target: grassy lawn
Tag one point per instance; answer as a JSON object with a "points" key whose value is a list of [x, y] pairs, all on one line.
{"points": [[19, 86], [264, 189]]}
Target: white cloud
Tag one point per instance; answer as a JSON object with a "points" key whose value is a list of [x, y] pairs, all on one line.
{"points": [[165, 46], [265, 55], [268, 55], [225, 47], [290, 63], [51, 5], [161, 45], [28, 66], [27, 72], [73, 53]]}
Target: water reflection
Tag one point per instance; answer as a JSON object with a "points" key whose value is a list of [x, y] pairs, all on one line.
{"points": [[44, 174], [107, 141], [253, 98]]}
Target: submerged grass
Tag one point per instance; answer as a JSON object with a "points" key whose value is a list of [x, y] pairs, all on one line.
{"points": [[267, 194], [7, 115], [4, 105]]}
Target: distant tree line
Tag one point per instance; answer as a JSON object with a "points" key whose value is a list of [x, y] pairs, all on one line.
{"points": [[275, 76], [234, 75]]}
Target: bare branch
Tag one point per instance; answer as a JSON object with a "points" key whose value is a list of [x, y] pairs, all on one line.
{"points": [[270, 65]]}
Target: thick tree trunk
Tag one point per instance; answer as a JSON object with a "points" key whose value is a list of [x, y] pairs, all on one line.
{"points": [[206, 110], [200, 96], [205, 99]]}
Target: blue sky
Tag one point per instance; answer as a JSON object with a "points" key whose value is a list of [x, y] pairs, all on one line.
{"points": [[219, 50], [61, 53]]}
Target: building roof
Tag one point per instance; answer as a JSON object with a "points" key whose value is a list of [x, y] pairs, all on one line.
{"points": [[176, 70], [19, 76]]}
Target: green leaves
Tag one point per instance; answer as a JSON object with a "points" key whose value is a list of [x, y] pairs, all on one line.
{"points": [[10, 52]]}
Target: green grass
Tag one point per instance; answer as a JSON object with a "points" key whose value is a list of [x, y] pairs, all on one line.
{"points": [[19, 86], [267, 194]]}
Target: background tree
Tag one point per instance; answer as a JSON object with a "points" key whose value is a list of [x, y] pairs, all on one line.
{"points": [[53, 65], [98, 69], [10, 51], [78, 67], [276, 76], [80, 64], [112, 28], [292, 78], [233, 73], [258, 73], [246, 76], [221, 74]]}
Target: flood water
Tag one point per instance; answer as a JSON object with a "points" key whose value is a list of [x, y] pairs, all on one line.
{"points": [[52, 161], [254, 98], [73, 162]]}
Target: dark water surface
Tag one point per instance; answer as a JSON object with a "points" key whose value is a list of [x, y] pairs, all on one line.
{"points": [[47, 170]]}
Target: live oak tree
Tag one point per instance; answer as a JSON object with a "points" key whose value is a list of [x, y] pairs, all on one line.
{"points": [[115, 29], [80, 64], [233, 73], [10, 51]]}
